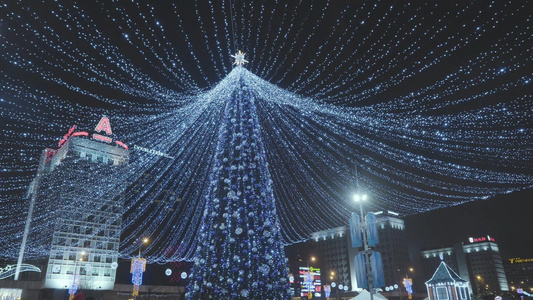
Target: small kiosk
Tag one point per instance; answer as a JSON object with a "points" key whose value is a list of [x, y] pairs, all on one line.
{"points": [[447, 285]]}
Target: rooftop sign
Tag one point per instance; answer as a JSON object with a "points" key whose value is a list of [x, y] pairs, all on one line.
{"points": [[519, 260], [103, 126], [481, 239]]}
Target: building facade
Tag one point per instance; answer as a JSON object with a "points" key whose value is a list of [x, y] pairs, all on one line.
{"points": [[78, 189], [335, 255], [519, 273], [393, 247], [479, 260]]}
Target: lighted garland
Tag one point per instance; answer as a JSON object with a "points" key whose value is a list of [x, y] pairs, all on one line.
{"points": [[432, 101]]}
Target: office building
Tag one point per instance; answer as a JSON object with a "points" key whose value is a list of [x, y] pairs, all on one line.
{"points": [[334, 253], [479, 261], [78, 193], [393, 247], [519, 272]]}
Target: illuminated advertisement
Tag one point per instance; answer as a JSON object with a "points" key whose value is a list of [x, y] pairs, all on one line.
{"points": [[104, 126], [519, 260], [310, 282], [481, 239]]}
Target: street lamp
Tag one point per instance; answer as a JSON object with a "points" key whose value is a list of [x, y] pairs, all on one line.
{"points": [[76, 279], [138, 266], [359, 198], [333, 285], [309, 277], [478, 283], [144, 241], [407, 283]]}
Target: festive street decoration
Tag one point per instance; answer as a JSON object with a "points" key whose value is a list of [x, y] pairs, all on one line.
{"points": [[408, 284], [138, 266], [239, 58], [240, 254], [432, 101], [74, 287], [9, 270], [446, 284]]}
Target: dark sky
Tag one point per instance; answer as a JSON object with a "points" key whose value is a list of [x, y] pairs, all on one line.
{"points": [[439, 95], [506, 218]]}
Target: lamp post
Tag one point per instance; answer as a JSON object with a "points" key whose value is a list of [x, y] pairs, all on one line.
{"points": [[144, 241], [309, 273], [138, 266], [75, 280], [359, 198], [399, 289], [407, 283], [478, 283]]}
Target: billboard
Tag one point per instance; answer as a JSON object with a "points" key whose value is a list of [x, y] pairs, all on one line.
{"points": [[310, 282]]}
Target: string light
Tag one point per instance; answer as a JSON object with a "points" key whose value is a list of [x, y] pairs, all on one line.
{"points": [[432, 102]]}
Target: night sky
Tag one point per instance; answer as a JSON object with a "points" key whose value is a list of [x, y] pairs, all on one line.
{"points": [[506, 218], [431, 101]]}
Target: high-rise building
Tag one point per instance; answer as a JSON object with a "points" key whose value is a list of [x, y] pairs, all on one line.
{"points": [[392, 247], [334, 252], [519, 273], [479, 260], [334, 249], [78, 191]]}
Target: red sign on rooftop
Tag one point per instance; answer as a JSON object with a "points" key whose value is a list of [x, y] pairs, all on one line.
{"points": [[104, 125], [481, 239]]}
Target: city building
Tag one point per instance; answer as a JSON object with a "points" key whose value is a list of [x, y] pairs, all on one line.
{"points": [[334, 251], [519, 273], [335, 255], [479, 261], [325, 253], [393, 247], [78, 189]]}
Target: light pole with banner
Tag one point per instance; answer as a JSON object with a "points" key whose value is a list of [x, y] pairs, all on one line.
{"points": [[368, 263]]}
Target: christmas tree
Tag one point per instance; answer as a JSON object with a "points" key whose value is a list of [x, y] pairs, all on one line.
{"points": [[240, 254]]}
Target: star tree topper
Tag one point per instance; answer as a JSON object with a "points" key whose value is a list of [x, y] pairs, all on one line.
{"points": [[239, 58]]}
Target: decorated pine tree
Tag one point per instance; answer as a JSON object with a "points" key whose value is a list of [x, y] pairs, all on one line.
{"points": [[240, 253]]}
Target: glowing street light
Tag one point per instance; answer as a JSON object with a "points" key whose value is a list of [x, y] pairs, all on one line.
{"points": [[479, 283], [144, 241], [359, 197], [138, 266], [76, 279], [309, 277]]}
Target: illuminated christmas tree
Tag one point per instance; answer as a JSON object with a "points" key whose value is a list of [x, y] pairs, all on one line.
{"points": [[240, 252]]}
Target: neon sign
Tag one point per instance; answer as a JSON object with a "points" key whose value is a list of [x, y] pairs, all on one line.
{"points": [[310, 281], [103, 125], [519, 260], [102, 138], [66, 136], [481, 239]]}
